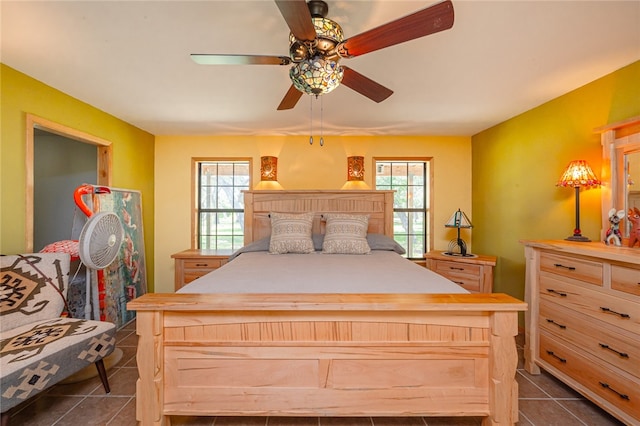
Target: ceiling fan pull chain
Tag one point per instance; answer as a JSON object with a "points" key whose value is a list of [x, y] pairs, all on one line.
{"points": [[311, 120], [321, 121]]}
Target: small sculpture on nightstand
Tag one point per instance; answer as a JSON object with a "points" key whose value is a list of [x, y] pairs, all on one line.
{"points": [[613, 233], [634, 232]]}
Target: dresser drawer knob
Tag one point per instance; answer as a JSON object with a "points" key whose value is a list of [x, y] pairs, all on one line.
{"points": [[562, 360], [622, 354], [560, 265], [610, 311], [559, 293], [621, 395], [201, 264], [550, 321], [456, 268]]}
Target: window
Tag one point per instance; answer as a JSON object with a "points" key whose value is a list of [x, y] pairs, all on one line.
{"points": [[411, 179], [220, 203]]}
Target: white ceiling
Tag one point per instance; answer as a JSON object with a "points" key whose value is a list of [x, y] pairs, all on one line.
{"points": [[131, 59]]}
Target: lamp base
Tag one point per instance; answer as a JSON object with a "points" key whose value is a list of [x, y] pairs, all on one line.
{"points": [[448, 253], [578, 238]]}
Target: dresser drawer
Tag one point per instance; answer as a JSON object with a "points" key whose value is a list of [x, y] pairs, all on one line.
{"points": [[203, 263], [625, 279], [577, 268], [589, 335], [592, 373], [613, 310]]}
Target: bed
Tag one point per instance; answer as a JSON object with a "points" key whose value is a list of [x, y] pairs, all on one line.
{"points": [[283, 353]]}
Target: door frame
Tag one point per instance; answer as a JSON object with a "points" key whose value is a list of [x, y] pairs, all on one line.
{"points": [[103, 157]]}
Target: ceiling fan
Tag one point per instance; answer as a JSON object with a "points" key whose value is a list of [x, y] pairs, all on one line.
{"points": [[317, 45]]}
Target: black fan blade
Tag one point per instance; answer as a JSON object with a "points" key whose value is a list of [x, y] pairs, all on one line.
{"points": [[431, 20], [290, 99], [297, 16], [212, 59], [364, 85]]}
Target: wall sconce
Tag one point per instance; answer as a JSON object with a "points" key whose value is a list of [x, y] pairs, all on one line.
{"points": [[355, 168], [458, 247], [269, 168], [578, 174]]}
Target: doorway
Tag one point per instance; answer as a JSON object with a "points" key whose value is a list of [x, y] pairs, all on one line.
{"points": [[58, 159]]}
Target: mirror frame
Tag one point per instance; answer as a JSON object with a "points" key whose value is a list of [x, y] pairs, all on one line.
{"points": [[617, 139], [104, 158]]}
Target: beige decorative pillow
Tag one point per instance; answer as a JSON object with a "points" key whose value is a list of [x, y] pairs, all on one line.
{"points": [[291, 233], [346, 234]]}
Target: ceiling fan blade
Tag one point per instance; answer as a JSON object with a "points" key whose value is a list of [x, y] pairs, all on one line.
{"points": [[290, 99], [297, 16], [364, 85], [427, 21], [213, 59]]}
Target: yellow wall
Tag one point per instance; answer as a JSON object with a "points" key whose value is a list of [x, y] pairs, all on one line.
{"points": [[132, 152], [300, 166], [517, 163]]}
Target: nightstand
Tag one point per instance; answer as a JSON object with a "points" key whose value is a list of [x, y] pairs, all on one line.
{"points": [[473, 273], [194, 263]]}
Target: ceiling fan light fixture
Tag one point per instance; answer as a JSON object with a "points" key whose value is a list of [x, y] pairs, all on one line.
{"points": [[316, 76], [328, 29]]}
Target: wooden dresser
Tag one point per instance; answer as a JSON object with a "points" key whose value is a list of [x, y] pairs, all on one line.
{"points": [[194, 263], [583, 322], [473, 273]]}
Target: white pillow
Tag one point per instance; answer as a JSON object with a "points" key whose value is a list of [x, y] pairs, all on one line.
{"points": [[346, 234], [291, 233]]}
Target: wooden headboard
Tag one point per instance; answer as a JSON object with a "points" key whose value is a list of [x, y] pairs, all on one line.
{"points": [[258, 204]]}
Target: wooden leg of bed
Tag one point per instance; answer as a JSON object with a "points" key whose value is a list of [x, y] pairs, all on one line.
{"points": [[503, 363], [149, 387]]}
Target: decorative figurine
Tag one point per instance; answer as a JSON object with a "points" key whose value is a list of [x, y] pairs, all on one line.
{"points": [[613, 233], [634, 232]]}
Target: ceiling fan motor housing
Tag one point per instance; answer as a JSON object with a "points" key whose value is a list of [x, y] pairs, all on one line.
{"points": [[328, 35]]}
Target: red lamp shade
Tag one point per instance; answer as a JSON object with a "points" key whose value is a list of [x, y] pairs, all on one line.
{"points": [[578, 174]]}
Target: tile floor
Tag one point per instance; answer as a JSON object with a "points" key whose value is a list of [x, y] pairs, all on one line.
{"points": [[543, 401]]}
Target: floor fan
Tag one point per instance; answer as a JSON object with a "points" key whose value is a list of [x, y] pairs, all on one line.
{"points": [[99, 245]]}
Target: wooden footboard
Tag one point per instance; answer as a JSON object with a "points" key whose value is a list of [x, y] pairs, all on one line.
{"points": [[327, 355]]}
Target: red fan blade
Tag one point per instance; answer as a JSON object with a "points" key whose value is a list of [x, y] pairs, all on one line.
{"points": [[364, 85], [290, 99], [431, 20], [297, 16], [212, 59]]}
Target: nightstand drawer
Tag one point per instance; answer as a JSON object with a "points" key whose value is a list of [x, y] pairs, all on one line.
{"points": [[583, 332], [596, 376], [625, 279], [580, 269], [456, 268], [203, 263], [467, 282], [189, 276]]}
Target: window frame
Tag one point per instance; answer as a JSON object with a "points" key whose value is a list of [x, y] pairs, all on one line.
{"points": [[428, 208], [195, 190]]}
